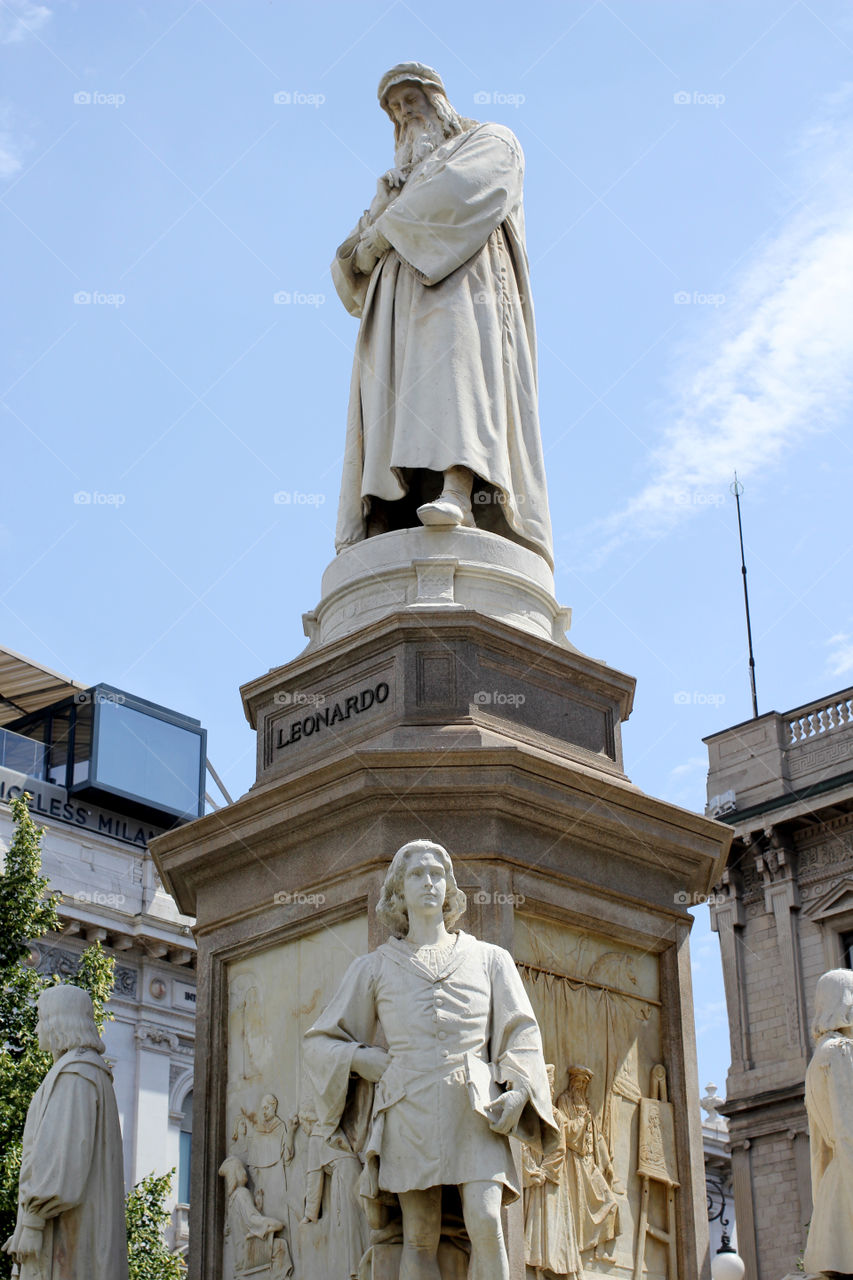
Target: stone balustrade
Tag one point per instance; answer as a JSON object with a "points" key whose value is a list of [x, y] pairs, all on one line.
{"points": [[780, 754]]}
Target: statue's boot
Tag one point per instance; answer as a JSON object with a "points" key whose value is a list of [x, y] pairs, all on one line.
{"points": [[453, 505]]}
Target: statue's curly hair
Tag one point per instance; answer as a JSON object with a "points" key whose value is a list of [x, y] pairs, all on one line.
{"points": [[391, 910]]}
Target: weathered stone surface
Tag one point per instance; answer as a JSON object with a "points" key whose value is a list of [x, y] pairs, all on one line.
{"points": [[565, 863]]}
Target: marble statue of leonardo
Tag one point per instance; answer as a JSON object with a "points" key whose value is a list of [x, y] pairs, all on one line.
{"points": [[443, 424], [463, 1069]]}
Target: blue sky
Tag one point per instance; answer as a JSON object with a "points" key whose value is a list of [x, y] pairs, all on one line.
{"points": [[689, 226]]}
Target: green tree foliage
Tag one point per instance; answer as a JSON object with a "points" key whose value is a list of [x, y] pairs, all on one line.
{"points": [[148, 1256], [27, 913]]}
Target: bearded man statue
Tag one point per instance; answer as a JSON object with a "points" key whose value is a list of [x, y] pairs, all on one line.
{"points": [[443, 405]]}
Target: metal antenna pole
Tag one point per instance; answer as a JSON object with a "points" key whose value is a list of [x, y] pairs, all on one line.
{"points": [[737, 490]]}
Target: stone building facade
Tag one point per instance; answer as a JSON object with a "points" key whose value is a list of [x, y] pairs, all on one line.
{"points": [[784, 915], [96, 857]]}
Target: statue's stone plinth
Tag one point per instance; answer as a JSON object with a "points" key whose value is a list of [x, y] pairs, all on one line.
{"points": [[436, 568], [505, 747]]}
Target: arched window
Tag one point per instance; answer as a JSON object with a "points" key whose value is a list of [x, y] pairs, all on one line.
{"points": [[185, 1150]]}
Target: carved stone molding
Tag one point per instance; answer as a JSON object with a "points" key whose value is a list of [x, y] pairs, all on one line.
{"points": [[158, 1039], [65, 962]]}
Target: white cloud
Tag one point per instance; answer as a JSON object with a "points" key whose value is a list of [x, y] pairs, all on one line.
{"points": [[840, 661], [691, 766], [12, 144], [711, 1016], [21, 18], [778, 362]]}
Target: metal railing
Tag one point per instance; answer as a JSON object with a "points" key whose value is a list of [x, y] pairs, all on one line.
{"points": [[24, 755]]}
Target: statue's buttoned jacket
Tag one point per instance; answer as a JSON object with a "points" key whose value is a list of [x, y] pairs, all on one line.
{"points": [[456, 1038]]}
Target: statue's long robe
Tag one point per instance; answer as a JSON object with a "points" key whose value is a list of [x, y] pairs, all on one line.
{"points": [[445, 363], [454, 1039], [829, 1101], [550, 1238], [71, 1178]]}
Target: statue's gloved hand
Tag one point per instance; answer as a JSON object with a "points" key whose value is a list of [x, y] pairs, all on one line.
{"points": [[371, 248], [393, 179], [505, 1111], [370, 1063]]}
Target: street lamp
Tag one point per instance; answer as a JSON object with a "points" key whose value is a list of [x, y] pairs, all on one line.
{"points": [[726, 1263]]}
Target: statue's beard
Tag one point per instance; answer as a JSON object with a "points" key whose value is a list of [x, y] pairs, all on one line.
{"points": [[418, 140]]}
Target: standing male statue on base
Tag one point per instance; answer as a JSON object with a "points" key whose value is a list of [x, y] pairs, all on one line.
{"points": [[443, 404], [463, 1069]]}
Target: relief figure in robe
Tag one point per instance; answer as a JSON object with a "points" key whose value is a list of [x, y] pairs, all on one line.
{"points": [[256, 1242], [592, 1183], [550, 1237], [270, 1151]]}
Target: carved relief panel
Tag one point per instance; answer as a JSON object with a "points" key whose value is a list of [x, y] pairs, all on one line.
{"points": [[292, 1207], [598, 1005]]}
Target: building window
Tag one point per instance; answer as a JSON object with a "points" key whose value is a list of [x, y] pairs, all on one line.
{"points": [[185, 1151], [847, 949]]}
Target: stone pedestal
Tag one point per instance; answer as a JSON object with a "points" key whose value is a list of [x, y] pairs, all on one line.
{"points": [[502, 744]]}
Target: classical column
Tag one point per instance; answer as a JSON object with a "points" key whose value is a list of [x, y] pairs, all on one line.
{"points": [[728, 919], [154, 1049], [777, 866]]}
